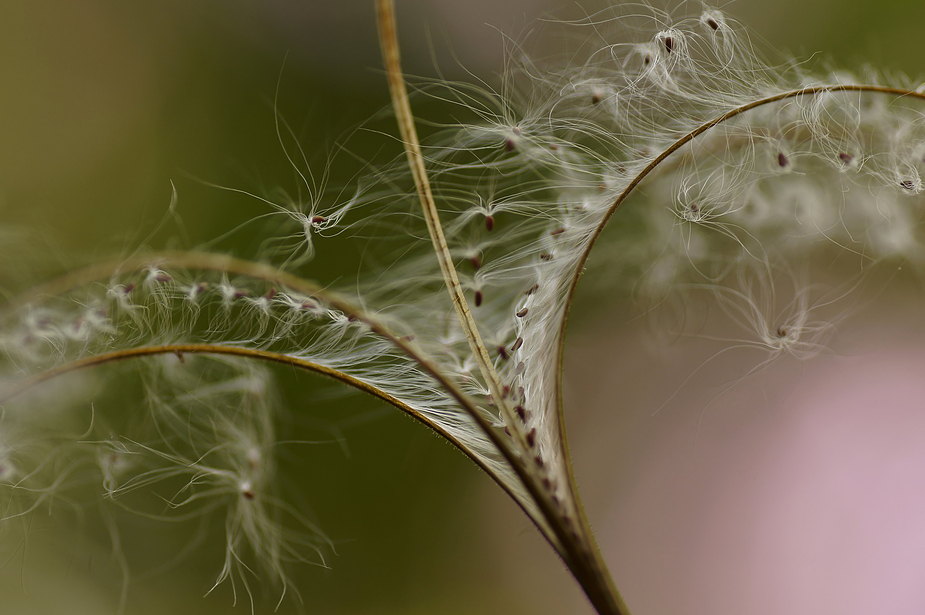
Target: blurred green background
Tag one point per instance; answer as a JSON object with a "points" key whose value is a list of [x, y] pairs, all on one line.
{"points": [[104, 103]]}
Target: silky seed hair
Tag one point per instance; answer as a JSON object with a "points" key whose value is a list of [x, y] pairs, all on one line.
{"points": [[747, 165]]}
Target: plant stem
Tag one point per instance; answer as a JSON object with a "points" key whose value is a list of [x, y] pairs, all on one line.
{"points": [[577, 546]]}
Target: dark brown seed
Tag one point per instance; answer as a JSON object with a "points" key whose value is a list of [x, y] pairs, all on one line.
{"points": [[713, 23], [538, 461], [669, 44], [557, 231], [128, 288], [595, 99], [782, 160], [489, 223], [476, 261], [546, 256], [531, 437], [846, 158], [509, 145], [180, 356], [503, 352], [517, 344], [521, 413], [270, 294], [908, 184], [478, 298], [532, 289], [522, 312], [248, 494], [318, 219]]}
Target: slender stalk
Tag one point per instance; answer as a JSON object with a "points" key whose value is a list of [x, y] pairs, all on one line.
{"points": [[388, 38], [269, 274], [649, 169], [684, 140], [248, 353], [578, 548]]}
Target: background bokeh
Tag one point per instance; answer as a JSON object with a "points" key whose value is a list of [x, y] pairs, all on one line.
{"points": [[795, 491]]}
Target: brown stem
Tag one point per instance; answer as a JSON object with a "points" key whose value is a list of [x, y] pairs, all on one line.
{"points": [[577, 548], [650, 168]]}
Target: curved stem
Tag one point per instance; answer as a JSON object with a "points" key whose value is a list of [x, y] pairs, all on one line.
{"points": [[649, 169], [544, 518], [248, 353]]}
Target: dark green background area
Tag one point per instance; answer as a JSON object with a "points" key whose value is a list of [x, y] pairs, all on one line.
{"points": [[104, 104]]}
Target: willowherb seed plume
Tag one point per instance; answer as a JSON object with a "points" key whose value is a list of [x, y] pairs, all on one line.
{"points": [[749, 169]]}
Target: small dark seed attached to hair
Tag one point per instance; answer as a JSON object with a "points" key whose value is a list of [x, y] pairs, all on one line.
{"points": [[128, 288], [846, 158], [523, 312], [248, 494], [270, 294], [646, 60], [517, 344], [489, 223], [908, 184], [476, 261], [478, 298], [506, 391], [557, 231], [318, 219], [538, 461], [521, 413], [595, 99], [713, 23], [180, 356], [546, 256], [503, 352], [162, 277], [531, 437], [509, 145], [669, 44], [532, 289], [782, 160]]}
